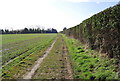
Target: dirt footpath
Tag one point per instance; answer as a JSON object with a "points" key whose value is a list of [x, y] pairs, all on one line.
{"points": [[54, 64], [67, 64]]}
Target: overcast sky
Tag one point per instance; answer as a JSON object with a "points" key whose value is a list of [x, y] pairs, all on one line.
{"points": [[18, 14]]}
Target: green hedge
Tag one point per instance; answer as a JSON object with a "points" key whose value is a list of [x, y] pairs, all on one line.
{"points": [[100, 32]]}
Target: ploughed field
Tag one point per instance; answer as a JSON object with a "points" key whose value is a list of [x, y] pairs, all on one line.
{"points": [[53, 56]]}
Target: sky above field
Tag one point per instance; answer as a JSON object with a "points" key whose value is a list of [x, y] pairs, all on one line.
{"points": [[18, 14]]}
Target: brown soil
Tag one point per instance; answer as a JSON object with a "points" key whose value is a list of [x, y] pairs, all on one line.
{"points": [[68, 69]]}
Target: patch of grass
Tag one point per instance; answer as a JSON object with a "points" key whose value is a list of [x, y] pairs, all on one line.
{"points": [[87, 64]]}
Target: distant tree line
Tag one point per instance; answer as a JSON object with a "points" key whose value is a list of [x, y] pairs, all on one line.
{"points": [[28, 30]]}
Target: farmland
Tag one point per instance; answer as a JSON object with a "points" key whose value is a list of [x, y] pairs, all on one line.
{"points": [[89, 50], [66, 58], [21, 51]]}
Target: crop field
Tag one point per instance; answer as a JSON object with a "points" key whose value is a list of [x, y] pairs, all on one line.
{"points": [[52, 56], [60, 40], [20, 51]]}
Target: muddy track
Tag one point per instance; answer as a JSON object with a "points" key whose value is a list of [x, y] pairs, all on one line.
{"points": [[68, 69], [38, 62]]}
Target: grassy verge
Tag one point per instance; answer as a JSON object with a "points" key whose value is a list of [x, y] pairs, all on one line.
{"points": [[89, 64]]}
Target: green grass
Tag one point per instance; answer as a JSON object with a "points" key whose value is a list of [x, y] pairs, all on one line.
{"points": [[23, 52], [89, 64]]}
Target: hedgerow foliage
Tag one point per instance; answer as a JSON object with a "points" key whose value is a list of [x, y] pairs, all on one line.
{"points": [[100, 32]]}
